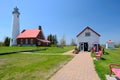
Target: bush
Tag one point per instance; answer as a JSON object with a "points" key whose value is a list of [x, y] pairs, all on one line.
{"points": [[7, 41], [117, 46]]}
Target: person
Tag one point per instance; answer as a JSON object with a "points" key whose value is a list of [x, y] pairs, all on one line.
{"points": [[94, 48]]}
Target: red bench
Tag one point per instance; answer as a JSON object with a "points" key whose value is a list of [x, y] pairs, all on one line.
{"points": [[115, 68], [98, 55]]}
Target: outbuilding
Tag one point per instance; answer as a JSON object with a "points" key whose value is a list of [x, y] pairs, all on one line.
{"points": [[110, 44], [87, 39]]}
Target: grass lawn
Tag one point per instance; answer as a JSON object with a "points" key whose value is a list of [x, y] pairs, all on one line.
{"points": [[15, 49], [51, 50], [102, 66], [32, 66], [4, 50]]}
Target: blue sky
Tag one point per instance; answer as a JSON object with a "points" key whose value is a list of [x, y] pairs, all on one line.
{"points": [[63, 17]]}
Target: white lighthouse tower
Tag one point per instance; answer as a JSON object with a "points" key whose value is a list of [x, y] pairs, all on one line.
{"points": [[15, 27]]}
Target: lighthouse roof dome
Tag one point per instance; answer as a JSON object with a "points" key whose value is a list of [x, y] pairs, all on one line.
{"points": [[16, 10]]}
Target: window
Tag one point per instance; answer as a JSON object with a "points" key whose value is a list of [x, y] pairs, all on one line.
{"points": [[21, 41], [31, 41], [26, 41], [39, 43], [87, 34], [47, 44], [18, 16]]}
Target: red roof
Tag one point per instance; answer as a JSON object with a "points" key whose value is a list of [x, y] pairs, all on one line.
{"points": [[110, 41], [88, 28], [33, 33]]}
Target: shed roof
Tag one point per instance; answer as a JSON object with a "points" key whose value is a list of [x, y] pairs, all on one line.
{"points": [[88, 28]]}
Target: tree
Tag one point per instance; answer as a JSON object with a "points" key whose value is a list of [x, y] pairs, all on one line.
{"points": [[7, 41], [52, 39], [63, 41], [73, 42]]}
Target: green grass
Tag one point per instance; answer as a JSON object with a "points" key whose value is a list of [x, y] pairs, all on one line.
{"points": [[30, 66], [56, 49], [38, 49], [102, 66], [15, 49]]}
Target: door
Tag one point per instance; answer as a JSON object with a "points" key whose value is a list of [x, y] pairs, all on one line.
{"points": [[86, 46], [81, 46]]}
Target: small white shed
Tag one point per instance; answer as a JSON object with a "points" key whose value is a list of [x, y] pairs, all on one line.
{"points": [[110, 44], [87, 39]]}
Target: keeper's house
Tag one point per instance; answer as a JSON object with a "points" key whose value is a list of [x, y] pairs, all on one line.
{"points": [[32, 37], [87, 39]]}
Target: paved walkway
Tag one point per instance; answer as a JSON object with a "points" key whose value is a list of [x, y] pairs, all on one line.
{"points": [[81, 67]]}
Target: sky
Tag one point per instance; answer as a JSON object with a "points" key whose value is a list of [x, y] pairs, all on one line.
{"points": [[63, 17]]}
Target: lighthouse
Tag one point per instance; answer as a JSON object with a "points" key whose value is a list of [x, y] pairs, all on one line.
{"points": [[15, 27]]}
